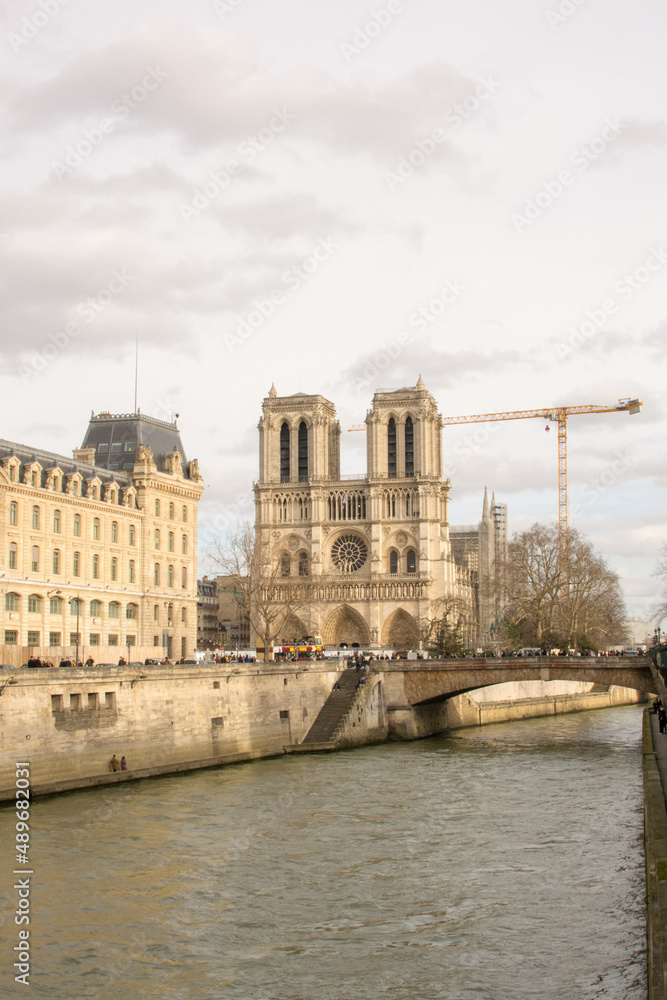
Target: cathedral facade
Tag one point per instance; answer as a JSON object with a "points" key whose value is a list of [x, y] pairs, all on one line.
{"points": [[370, 556]]}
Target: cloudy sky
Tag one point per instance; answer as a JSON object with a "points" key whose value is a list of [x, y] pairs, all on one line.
{"points": [[337, 197]]}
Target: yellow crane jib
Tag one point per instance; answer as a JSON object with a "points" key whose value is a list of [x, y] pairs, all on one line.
{"points": [[558, 414]]}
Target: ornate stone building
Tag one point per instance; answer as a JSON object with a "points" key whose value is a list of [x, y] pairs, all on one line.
{"points": [[103, 545], [373, 554]]}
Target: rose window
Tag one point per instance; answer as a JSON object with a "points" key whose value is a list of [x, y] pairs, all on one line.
{"points": [[349, 553]]}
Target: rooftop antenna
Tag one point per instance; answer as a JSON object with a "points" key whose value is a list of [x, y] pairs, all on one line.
{"points": [[136, 370]]}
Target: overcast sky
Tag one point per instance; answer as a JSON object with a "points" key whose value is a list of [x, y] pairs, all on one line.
{"points": [[337, 197]]}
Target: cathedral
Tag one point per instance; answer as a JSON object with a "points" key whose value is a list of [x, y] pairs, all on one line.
{"points": [[372, 557]]}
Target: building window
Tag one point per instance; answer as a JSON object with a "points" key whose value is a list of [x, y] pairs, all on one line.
{"points": [[75, 703], [391, 447], [77, 525], [393, 562], [131, 611], [13, 555], [284, 565], [171, 541], [55, 606], [35, 517], [96, 608], [34, 562], [13, 512], [56, 561], [34, 604], [409, 448], [114, 531], [183, 646], [185, 513], [156, 574], [76, 564], [284, 454], [114, 568], [33, 638], [113, 640], [56, 699], [96, 567], [303, 452], [157, 508], [54, 638], [12, 602], [56, 522], [156, 543], [170, 576], [303, 564], [412, 561], [96, 529], [156, 612], [114, 609], [132, 535], [171, 512], [110, 699], [131, 571], [156, 640], [184, 578], [183, 615], [130, 640], [11, 637], [94, 639], [93, 697], [184, 544]]}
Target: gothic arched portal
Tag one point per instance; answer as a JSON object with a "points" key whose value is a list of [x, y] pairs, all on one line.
{"points": [[345, 625], [400, 631]]}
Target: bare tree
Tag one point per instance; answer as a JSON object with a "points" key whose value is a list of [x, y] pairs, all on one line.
{"points": [[660, 610], [266, 598], [562, 598], [442, 632]]}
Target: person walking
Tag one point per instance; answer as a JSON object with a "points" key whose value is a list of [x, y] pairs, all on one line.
{"points": [[662, 719], [115, 765], [123, 764]]}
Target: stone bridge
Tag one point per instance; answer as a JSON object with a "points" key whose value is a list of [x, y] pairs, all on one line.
{"points": [[416, 691]]}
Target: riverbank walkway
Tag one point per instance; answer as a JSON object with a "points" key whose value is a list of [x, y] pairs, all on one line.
{"points": [[655, 841]]}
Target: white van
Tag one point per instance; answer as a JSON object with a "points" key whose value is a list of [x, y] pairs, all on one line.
{"points": [[529, 651]]}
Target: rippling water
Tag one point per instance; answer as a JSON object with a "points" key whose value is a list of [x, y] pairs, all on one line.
{"points": [[501, 863]]}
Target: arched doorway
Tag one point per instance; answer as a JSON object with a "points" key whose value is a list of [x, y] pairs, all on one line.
{"points": [[400, 631], [345, 625]]}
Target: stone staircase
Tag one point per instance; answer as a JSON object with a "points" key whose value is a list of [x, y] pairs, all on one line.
{"points": [[334, 709]]}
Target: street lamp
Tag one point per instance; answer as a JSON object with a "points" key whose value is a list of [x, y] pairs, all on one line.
{"points": [[78, 608]]}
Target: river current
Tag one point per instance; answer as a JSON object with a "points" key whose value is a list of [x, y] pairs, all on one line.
{"points": [[498, 863]]}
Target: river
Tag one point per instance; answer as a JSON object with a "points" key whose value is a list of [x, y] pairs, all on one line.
{"points": [[499, 863]]}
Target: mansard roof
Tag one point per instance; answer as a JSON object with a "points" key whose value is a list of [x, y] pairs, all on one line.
{"points": [[116, 437], [69, 466]]}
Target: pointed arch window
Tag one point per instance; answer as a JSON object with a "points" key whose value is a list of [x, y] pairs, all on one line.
{"points": [[393, 562], [412, 561], [284, 454], [284, 565], [391, 447], [303, 564], [409, 447], [303, 452]]}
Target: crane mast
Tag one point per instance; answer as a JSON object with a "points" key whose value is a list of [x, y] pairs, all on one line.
{"points": [[560, 415]]}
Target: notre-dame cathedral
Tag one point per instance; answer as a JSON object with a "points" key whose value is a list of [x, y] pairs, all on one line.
{"points": [[376, 553]]}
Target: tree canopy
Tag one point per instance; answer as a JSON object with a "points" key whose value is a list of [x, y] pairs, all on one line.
{"points": [[561, 598]]}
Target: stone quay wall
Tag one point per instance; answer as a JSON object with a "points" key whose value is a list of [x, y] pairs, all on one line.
{"points": [[166, 719], [69, 723]]}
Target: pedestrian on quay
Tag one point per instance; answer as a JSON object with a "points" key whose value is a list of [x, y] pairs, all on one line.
{"points": [[662, 719], [115, 765], [123, 764]]}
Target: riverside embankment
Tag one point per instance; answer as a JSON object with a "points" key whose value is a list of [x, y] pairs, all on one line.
{"points": [[69, 723]]}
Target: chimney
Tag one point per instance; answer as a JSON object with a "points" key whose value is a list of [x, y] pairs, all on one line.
{"points": [[86, 455]]}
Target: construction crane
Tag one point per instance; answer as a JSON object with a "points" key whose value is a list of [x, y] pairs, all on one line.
{"points": [[559, 414]]}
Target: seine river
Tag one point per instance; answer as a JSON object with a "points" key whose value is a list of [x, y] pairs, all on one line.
{"points": [[501, 863]]}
